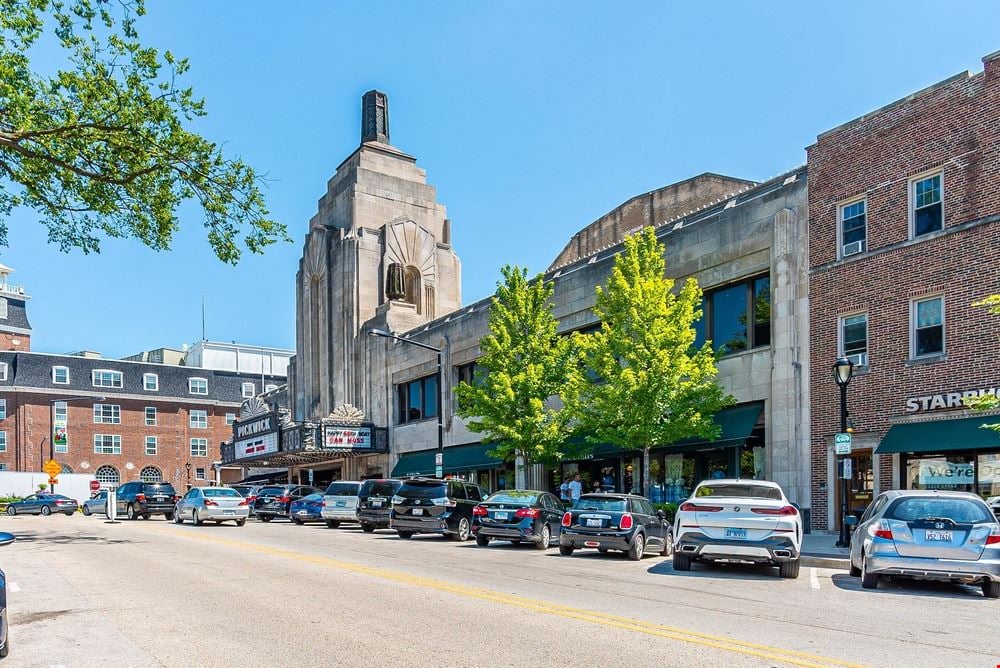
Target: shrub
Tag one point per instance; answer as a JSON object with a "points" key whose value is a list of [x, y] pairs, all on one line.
{"points": [[669, 508]]}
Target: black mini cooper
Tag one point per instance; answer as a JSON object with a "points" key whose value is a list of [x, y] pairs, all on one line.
{"points": [[616, 522]]}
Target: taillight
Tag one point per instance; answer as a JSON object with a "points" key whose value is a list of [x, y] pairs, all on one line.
{"points": [[140, 498], [625, 522], [785, 510], [209, 502], [177, 497], [994, 537], [567, 519], [528, 512], [284, 499], [883, 533], [479, 511], [244, 502], [689, 507], [251, 499]]}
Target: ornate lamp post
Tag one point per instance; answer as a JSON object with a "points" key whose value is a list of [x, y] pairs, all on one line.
{"points": [[843, 371], [187, 467]]}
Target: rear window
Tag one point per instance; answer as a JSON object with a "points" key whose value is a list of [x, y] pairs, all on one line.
{"points": [[159, 489], [312, 497], [378, 488], [740, 490], [923, 508], [513, 497], [271, 491], [417, 491], [221, 492], [600, 503], [343, 489]]}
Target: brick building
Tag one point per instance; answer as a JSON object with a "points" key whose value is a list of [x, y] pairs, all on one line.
{"points": [[904, 235]]}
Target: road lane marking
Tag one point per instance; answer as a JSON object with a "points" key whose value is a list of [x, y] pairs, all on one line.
{"points": [[786, 656], [13, 586], [813, 579]]}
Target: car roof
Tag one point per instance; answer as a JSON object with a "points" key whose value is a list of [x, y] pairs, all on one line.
{"points": [[740, 481], [352, 482], [611, 495], [945, 493]]}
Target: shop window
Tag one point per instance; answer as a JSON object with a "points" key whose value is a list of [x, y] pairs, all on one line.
{"points": [[988, 475], [736, 317], [417, 399], [953, 472]]}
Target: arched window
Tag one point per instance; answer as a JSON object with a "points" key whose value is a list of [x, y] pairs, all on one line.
{"points": [[151, 474], [414, 287], [107, 475], [66, 468]]}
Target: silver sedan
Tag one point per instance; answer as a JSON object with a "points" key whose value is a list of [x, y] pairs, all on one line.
{"points": [[212, 504], [928, 535], [96, 504]]}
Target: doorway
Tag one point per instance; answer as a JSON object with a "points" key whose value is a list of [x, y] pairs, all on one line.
{"points": [[861, 486]]}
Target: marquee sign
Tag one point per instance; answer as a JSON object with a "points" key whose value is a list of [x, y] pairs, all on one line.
{"points": [[338, 437], [256, 436], [933, 402]]}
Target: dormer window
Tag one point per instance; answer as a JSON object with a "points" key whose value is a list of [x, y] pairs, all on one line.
{"points": [[248, 390], [106, 378], [198, 385], [60, 375], [150, 382]]}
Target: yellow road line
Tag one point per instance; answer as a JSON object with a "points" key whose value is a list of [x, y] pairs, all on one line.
{"points": [[787, 656]]}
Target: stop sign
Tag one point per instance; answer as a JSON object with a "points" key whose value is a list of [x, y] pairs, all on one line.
{"points": [[94, 486]]}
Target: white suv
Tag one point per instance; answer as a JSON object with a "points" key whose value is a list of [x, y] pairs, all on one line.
{"points": [[340, 503], [738, 521]]}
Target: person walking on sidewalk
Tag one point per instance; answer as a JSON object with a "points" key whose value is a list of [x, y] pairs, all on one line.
{"points": [[575, 488]]}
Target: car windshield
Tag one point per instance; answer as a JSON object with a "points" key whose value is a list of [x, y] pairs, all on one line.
{"points": [[221, 492], [923, 508], [159, 489], [343, 489], [514, 497], [741, 490], [272, 491], [378, 488], [599, 503], [418, 491]]}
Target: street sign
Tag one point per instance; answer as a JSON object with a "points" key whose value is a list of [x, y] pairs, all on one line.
{"points": [[842, 444], [438, 472], [310, 476], [438, 458], [53, 481], [95, 486], [846, 468], [53, 468]]}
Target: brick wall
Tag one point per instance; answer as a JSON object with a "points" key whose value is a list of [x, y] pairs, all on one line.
{"points": [[952, 125], [7, 340]]}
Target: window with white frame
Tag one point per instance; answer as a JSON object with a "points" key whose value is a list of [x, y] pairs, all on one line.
{"points": [[3, 409], [3, 441], [927, 327], [854, 338], [199, 473], [230, 419], [248, 390], [199, 447], [150, 382], [150, 416], [105, 378], [3, 371], [3, 466], [198, 419], [107, 444], [107, 414], [151, 474], [853, 228], [197, 386], [926, 204], [107, 475], [60, 413], [151, 445], [60, 375]]}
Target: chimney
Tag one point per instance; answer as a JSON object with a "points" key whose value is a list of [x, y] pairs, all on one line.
{"points": [[375, 117]]}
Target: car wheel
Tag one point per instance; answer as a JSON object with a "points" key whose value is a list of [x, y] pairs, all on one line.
{"points": [[868, 580], [368, 528], [332, 524], [6, 649], [855, 571], [789, 569], [196, 518], [46, 511], [177, 518], [566, 550], [543, 544], [11, 510], [682, 562], [991, 589], [602, 550], [145, 516], [130, 512], [86, 511], [168, 516], [240, 523], [482, 541], [668, 546], [264, 518], [637, 547], [405, 535], [463, 532], [297, 521]]}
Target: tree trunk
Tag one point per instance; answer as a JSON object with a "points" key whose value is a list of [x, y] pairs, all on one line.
{"points": [[519, 473], [645, 472]]}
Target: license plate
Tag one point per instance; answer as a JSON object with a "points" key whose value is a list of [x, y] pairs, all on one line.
{"points": [[340, 504], [376, 504], [593, 523], [160, 498], [228, 512], [942, 536], [736, 533], [303, 512], [418, 511], [501, 516]]}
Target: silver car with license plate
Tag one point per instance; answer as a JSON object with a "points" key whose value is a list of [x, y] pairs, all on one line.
{"points": [[212, 504], [96, 504], [340, 503], [928, 535]]}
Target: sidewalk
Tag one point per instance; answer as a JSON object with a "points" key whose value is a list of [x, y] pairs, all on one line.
{"points": [[819, 550]]}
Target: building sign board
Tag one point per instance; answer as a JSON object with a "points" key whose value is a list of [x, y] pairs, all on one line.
{"points": [[256, 436], [347, 438], [934, 402]]}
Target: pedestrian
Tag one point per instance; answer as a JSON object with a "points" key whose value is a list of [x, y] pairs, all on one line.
{"points": [[575, 488], [564, 491], [597, 487]]}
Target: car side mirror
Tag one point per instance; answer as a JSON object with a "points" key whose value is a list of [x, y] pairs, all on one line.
{"points": [[662, 514], [850, 521], [6, 538]]}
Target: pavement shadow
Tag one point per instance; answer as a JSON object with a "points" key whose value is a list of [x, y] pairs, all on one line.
{"points": [[62, 539], [717, 571], [906, 587]]}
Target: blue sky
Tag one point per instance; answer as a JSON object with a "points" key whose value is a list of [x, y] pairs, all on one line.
{"points": [[531, 119]]}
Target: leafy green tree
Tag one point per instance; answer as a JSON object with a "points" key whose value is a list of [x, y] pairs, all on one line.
{"points": [[524, 363], [99, 147], [643, 384], [987, 402]]}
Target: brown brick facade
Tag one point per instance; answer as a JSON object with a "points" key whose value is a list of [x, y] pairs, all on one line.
{"points": [[952, 126], [13, 341]]}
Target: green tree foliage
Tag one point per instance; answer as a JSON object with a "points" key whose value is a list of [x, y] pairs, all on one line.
{"points": [[987, 402], [99, 146], [642, 383], [524, 363]]}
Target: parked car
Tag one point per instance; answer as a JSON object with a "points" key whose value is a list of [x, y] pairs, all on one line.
{"points": [[5, 539], [212, 504], [518, 515], [43, 504], [340, 503], [928, 535], [625, 522], [98, 503], [748, 521], [307, 509], [430, 505], [276, 500], [994, 503], [375, 503], [248, 492], [145, 499]]}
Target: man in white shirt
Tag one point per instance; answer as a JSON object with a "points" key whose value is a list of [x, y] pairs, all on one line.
{"points": [[575, 488]]}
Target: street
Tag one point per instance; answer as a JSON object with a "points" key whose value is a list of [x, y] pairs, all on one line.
{"points": [[82, 592]]}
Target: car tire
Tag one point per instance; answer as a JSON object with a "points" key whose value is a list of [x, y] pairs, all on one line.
{"points": [[11, 510], [682, 562], [405, 535], [637, 548], [5, 650], [483, 541], [264, 518], [368, 528], [602, 550], [297, 521], [566, 550], [464, 531], [130, 512], [46, 511], [240, 523], [145, 516], [868, 580], [546, 538], [991, 589], [668, 546], [168, 516], [195, 518], [332, 524], [177, 518], [855, 571], [789, 569], [86, 511]]}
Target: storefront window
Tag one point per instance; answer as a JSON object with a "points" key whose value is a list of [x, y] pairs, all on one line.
{"points": [[954, 473], [988, 483], [752, 463]]}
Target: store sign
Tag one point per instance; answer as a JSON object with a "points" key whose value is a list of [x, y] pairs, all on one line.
{"points": [[347, 438], [933, 402], [256, 436], [945, 474]]}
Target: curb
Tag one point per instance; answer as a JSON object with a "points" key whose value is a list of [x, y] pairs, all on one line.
{"points": [[815, 561]]}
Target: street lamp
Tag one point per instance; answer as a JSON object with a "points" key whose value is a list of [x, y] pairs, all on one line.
{"points": [[188, 468], [843, 371], [52, 422], [440, 387]]}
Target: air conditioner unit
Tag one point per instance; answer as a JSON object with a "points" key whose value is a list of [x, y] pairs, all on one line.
{"points": [[860, 359], [853, 248]]}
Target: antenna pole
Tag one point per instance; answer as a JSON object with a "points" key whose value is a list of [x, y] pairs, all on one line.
{"points": [[203, 317]]}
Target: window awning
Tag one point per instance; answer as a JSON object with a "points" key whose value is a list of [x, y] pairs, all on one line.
{"points": [[940, 435], [457, 458]]}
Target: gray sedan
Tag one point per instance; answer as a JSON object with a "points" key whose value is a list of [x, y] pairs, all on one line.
{"points": [[212, 504], [96, 504], [928, 535]]}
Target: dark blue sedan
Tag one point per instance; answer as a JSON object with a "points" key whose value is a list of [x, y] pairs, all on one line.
{"points": [[43, 504], [518, 515], [307, 509]]}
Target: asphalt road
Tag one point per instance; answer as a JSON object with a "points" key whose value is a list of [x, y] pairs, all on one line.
{"points": [[149, 593]]}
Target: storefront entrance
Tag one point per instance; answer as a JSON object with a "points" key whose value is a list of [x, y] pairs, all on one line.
{"points": [[861, 486]]}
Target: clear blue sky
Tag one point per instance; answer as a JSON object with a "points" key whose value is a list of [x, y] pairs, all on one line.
{"points": [[532, 119]]}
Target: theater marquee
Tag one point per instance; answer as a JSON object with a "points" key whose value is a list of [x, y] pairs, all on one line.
{"points": [[347, 438]]}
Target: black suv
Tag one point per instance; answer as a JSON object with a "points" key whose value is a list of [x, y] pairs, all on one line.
{"points": [[144, 499], [375, 503], [429, 505], [276, 500]]}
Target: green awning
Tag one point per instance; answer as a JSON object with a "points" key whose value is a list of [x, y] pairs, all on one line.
{"points": [[457, 458], [941, 436]]}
